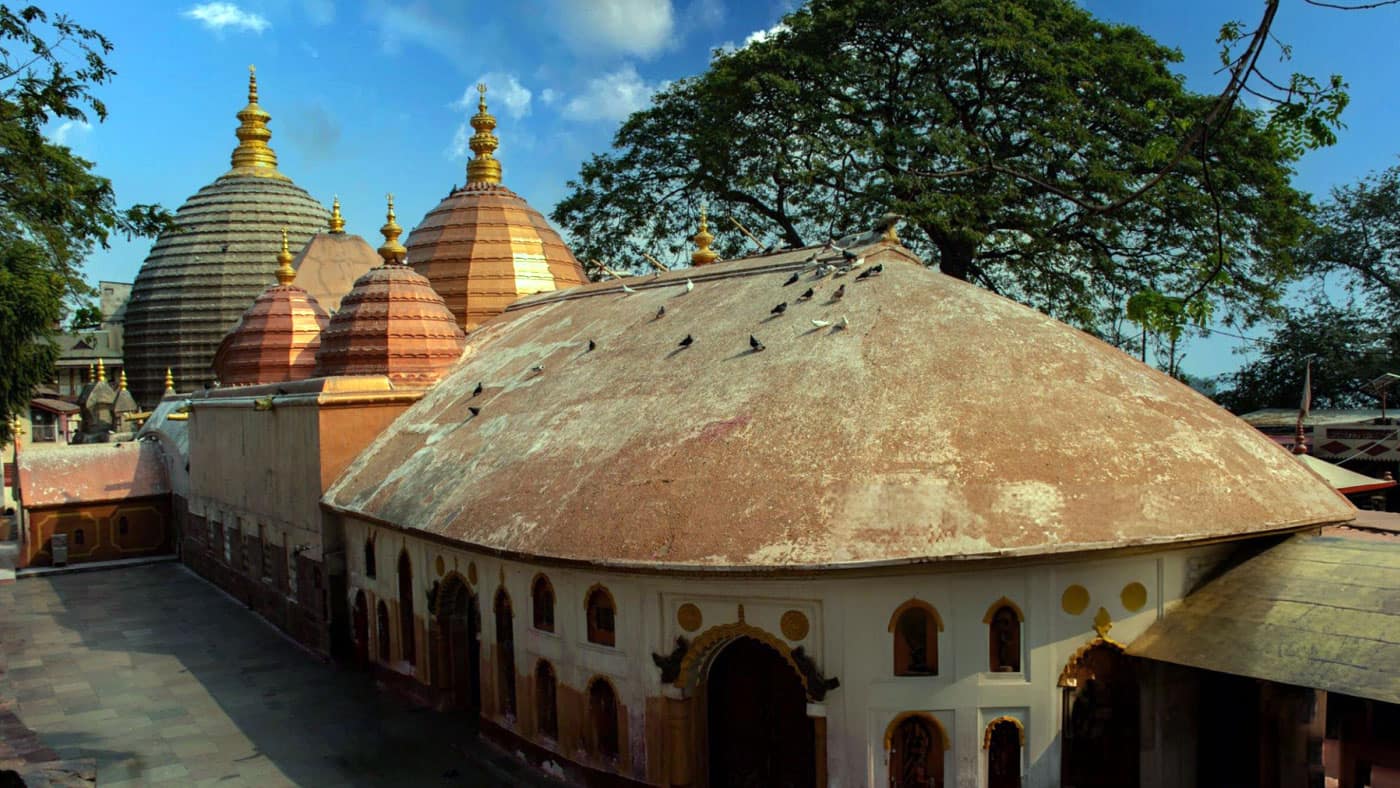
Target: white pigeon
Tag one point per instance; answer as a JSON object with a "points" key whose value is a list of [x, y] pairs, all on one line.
{"points": [[821, 323], [843, 323], [860, 261], [689, 285], [627, 289]]}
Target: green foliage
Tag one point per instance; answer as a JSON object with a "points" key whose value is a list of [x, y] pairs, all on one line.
{"points": [[999, 128], [85, 318], [1348, 346], [1356, 237], [53, 209]]}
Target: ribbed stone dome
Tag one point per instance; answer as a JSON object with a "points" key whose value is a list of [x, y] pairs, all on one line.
{"points": [[222, 252], [484, 247]]}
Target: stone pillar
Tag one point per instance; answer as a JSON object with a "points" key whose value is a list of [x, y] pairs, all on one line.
{"points": [[817, 713], [680, 741]]}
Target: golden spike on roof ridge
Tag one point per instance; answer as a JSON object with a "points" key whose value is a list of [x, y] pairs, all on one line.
{"points": [[703, 254], [286, 274], [484, 167], [101, 372], [92, 374], [254, 156], [392, 251], [337, 221], [169, 380], [121, 382]]}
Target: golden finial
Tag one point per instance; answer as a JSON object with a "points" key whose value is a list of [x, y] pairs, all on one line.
{"points": [[169, 380], [483, 168], [92, 374], [253, 156], [337, 221], [392, 251], [101, 372], [286, 274], [703, 254], [121, 382]]}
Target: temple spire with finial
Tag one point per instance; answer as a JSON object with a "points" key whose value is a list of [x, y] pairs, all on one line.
{"points": [[392, 251], [484, 167], [254, 156], [703, 254], [101, 372], [121, 382], [337, 221], [286, 274], [169, 381]]}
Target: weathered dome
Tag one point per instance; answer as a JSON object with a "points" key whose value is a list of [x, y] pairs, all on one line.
{"points": [[276, 338], [330, 262], [919, 418], [391, 323], [201, 275], [484, 247]]}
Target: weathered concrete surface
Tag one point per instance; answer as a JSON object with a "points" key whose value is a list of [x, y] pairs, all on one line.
{"points": [[164, 680], [945, 422]]}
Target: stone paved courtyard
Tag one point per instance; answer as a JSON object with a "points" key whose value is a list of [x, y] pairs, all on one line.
{"points": [[164, 680]]}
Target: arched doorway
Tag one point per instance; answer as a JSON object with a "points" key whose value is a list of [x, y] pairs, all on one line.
{"points": [[1099, 729], [361, 625], [1002, 741], [406, 626], [505, 652], [915, 744], [756, 710], [460, 624]]}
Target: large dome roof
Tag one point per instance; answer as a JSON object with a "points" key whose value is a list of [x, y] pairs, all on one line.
{"points": [[484, 247], [276, 338], [943, 422], [330, 262], [391, 323], [202, 275]]}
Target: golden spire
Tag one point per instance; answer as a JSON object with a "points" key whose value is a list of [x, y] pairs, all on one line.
{"points": [[483, 168], [92, 372], [101, 372], [286, 274], [169, 380], [703, 254], [121, 383], [253, 156], [337, 221], [392, 251]]}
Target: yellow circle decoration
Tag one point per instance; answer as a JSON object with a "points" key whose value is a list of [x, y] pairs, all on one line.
{"points": [[441, 566], [1134, 596], [1075, 599], [794, 625], [688, 616], [471, 573]]}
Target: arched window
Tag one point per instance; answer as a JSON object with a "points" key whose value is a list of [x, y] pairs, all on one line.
{"points": [[542, 597], [546, 707], [915, 742], [915, 626], [1003, 741], [602, 713], [369, 558], [1003, 622], [383, 631], [505, 641], [406, 607], [602, 617]]}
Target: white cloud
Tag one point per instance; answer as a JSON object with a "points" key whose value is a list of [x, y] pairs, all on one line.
{"points": [[420, 25], [225, 16], [503, 92], [549, 96], [756, 37], [67, 130], [457, 149], [612, 96], [633, 27]]}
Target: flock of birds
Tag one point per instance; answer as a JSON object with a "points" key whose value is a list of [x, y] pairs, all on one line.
{"points": [[839, 262]]}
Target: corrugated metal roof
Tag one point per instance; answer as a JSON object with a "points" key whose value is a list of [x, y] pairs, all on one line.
{"points": [[901, 438], [1315, 611], [1280, 418]]}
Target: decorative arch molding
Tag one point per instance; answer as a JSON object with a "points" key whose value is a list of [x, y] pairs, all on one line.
{"points": [[588, 595], [1067, 678], [446, 596], [932, 720], [999, 604], [916, 603], [987, 734], [713, 640]]}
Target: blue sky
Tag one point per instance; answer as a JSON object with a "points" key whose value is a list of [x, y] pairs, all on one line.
{"points": [[366, 96]]}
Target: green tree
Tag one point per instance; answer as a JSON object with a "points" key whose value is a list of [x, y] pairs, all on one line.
{"points": [[1035, 151], [1356, 237], [54, 209], [85, 318], [1348, 346]]}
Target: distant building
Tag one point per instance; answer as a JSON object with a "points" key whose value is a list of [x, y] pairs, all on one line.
{"points": [[82, 350]]}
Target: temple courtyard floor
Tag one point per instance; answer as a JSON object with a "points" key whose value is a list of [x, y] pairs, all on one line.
{"points": [[158, 677]]}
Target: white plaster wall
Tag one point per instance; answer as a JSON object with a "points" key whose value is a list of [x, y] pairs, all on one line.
{"points": [[848, 638]]}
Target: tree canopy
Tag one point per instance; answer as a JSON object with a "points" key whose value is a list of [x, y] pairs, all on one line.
{"points": [[1356, 236], [54, 209], [1000, 128]]}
